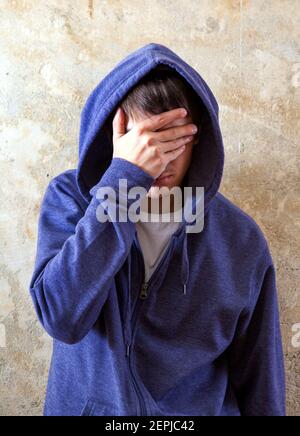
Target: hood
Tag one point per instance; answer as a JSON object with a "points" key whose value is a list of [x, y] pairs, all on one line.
{"points": [[95, 148]]}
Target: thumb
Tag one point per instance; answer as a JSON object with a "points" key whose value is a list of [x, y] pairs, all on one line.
{"points": [[118, 124]]}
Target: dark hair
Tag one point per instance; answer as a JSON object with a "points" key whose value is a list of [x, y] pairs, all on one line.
{"points": [[162, 89]]}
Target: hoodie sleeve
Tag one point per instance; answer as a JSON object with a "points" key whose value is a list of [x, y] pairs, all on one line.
{"points": [[78, 256], [256, 358]]}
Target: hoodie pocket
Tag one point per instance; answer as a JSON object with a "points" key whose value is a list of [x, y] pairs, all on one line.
{"points": [[97, 408]]}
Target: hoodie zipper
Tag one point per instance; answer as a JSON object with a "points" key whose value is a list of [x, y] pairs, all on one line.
{"points": [[144, 291], [137, 388], [129, 355], [143, 294]]}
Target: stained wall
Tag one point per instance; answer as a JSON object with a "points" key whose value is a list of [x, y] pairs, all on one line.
{"points": [[53, 53]]}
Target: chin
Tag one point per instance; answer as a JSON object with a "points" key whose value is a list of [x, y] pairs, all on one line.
{"points": [[154, 192], [158, 190]]}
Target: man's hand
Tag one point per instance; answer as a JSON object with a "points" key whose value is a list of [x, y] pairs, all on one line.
{"points": [[146, 146]]}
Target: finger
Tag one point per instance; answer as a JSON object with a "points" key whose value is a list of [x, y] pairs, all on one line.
{"points": [[172, 145], [158, 121], [118, 124], [175, 132], [172, 155]]}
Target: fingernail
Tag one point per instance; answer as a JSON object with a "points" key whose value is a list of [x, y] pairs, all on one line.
{"points": [[184, 112]]}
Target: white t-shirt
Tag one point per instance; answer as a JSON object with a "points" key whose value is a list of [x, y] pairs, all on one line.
{"points": [[154, 237]]}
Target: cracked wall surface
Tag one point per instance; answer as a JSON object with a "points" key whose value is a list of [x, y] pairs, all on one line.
{"points": [[53, 53]]}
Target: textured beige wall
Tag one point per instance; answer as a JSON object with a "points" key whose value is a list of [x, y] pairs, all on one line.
{"points": [[52, 54]]}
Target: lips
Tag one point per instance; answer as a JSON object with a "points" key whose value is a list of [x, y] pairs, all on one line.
{"points": [[162, 179], [163, 176]]}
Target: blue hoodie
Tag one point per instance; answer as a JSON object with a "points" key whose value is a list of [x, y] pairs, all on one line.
{"points": [[206, 339]]}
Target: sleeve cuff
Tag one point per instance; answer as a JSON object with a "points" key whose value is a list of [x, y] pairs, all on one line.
{"points": [[123, 169]]}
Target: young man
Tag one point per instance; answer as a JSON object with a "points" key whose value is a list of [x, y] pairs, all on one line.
{"points": [[148, 318]]}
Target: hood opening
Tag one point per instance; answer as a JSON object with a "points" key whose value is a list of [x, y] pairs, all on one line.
{"points": [[95, 147]]}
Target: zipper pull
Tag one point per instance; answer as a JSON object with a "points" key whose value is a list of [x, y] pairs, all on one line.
{"points": [[143, 293]]}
